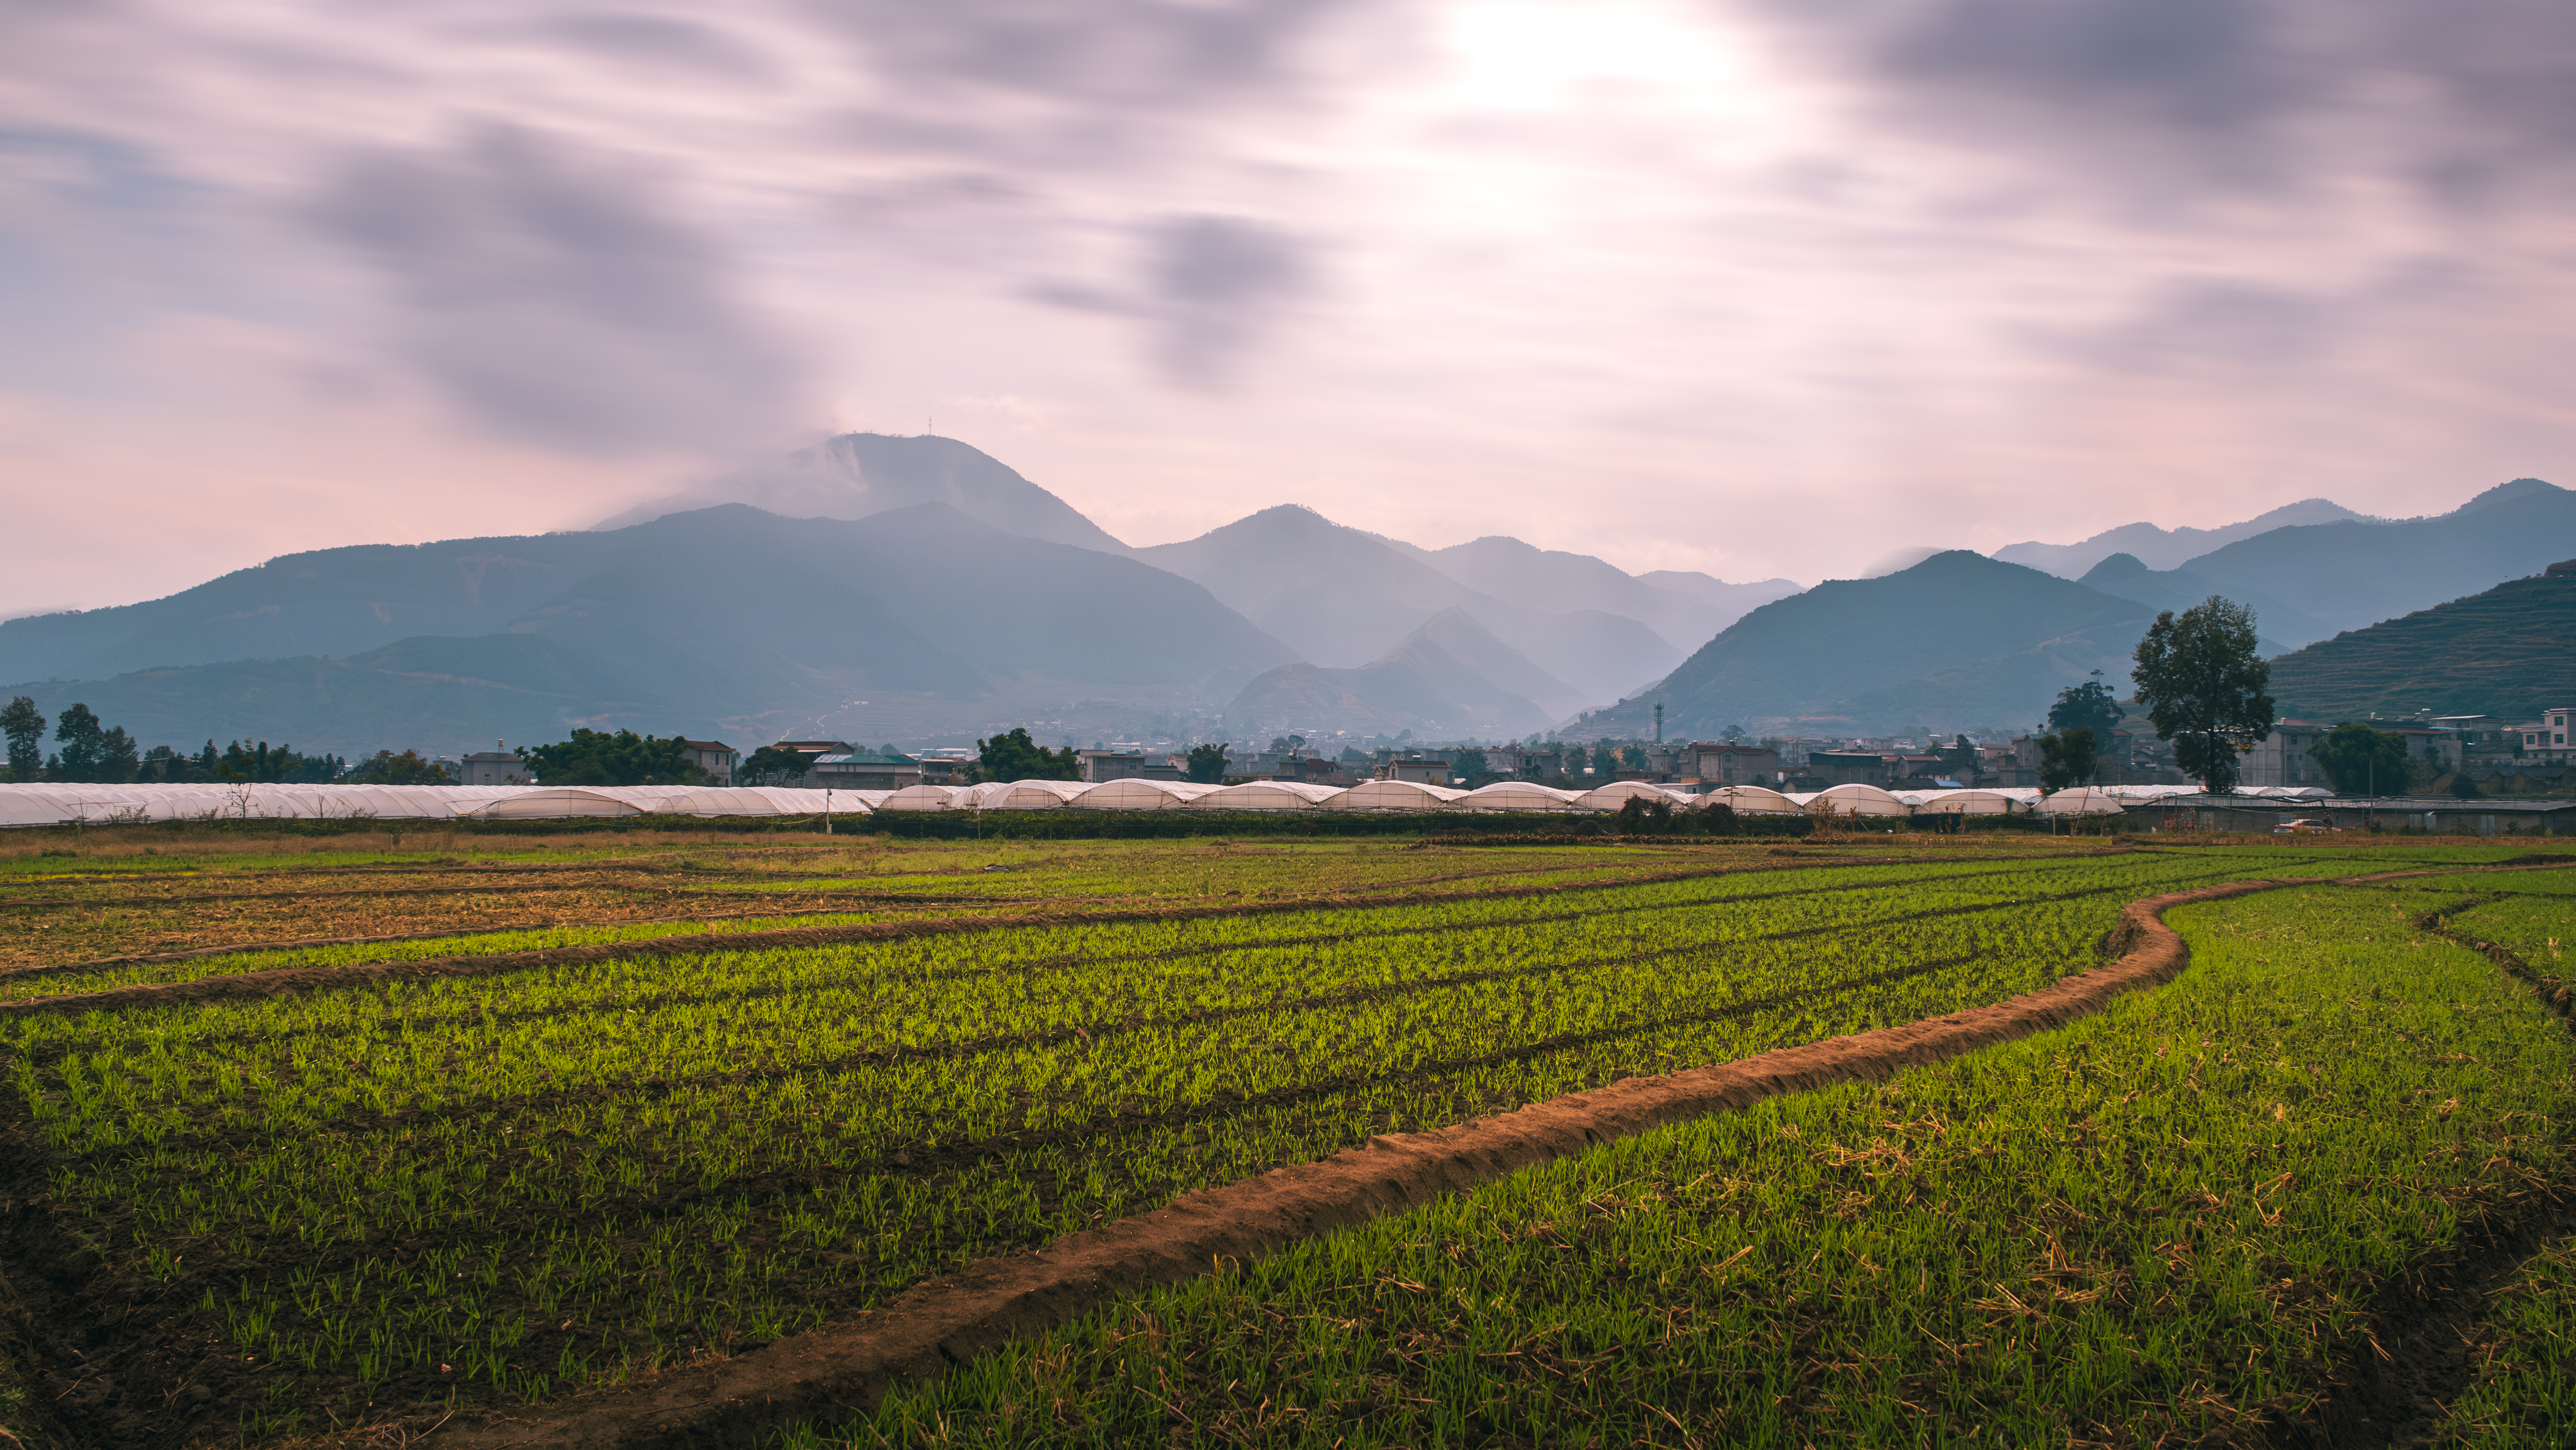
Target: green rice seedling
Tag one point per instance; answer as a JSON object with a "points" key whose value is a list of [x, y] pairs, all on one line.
{"points": [[2523, 1389], [751, 1143], [2149, 1227]]}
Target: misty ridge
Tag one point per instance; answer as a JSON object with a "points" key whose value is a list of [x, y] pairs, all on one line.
{"points": [[876, 587]]}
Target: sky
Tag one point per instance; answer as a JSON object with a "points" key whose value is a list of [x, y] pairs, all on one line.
{"points": [[1759, 287]]}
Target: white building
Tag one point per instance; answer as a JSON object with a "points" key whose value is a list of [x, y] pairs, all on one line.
{"points": [[493, 767], [2546, 742], [2283, 759]]}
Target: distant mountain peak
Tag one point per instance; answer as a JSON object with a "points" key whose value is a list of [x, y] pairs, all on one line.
{"points": [[860, 475], [2163, 548], [2507, 493]]}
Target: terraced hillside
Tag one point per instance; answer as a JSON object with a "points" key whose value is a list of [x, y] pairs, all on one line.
{"points": [[2503, 653]]}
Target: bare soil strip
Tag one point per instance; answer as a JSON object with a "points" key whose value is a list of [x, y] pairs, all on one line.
{"points": [[841, 1371], [289, 980]]}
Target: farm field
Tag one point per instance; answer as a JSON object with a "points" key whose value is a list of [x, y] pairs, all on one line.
{"points": [[71, 901], [371, 1205], [2151, 1227]]}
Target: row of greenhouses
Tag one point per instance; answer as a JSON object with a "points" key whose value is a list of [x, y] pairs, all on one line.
{"points": [[50, 804]]}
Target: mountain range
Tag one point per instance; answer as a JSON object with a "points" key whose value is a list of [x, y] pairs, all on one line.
{"points": [[915, 588], [1964, 643], [924, 589], [1957, 643], [2162, 548], [2503, 652]]}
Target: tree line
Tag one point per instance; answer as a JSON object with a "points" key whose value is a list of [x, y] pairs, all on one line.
{"points": [[91, 752]]}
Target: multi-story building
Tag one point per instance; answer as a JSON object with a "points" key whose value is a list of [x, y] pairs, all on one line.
{"points": [[493, 767], [1727, 764], [862, 770], [713, 758], [1849, 767], [2282, 758], [1137, 764], [2546, 742]]}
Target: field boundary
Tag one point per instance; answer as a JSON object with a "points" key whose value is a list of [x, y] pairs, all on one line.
{"points": [[282, 981], [843, 1370]]}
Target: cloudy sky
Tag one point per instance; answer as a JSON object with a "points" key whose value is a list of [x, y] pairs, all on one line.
{"points": [[1753, 286]]}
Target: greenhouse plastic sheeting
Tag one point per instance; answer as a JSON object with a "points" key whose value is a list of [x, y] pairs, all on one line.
{"points": [[1515, 795], [1266, 795], [1129, 794], [1618, 793], [1752, 800], [1392, 795], [2082, 801], [1860, 800], [1957, 802]]}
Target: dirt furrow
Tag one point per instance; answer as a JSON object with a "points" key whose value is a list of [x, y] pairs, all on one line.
{"points": [[840, 1371], [2416, 1350], [289, 980]]}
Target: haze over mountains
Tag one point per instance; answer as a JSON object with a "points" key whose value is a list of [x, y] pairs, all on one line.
{"points": [[2162, 548], [1962, 643], [1959, 642], [859, 475], [916, 589]]}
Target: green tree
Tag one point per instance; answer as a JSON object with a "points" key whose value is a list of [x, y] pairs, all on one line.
{"points": [[25, 727], [1632, 757], [386, 768], [262, 762], [2066, 758], [1014, 756], [84, 743], [2090, 705], [1207, 764], [770, 765], [2206, 688], [2359, 760], [594, 757], [1576, 761], [1469, 763], [1639, 816], [1287, 744], [118, 759], [1967, 765]]}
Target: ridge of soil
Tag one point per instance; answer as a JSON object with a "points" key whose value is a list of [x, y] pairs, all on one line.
{"points": [[845, 1369], [287, 980]]}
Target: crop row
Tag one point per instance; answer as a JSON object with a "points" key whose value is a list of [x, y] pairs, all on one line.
{"points": [[907, 963], [466, 943], [546, 1175], [2153, 1226]]}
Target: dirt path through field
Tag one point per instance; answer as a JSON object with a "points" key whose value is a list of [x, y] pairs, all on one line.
{"points": [[839, 1372]]}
